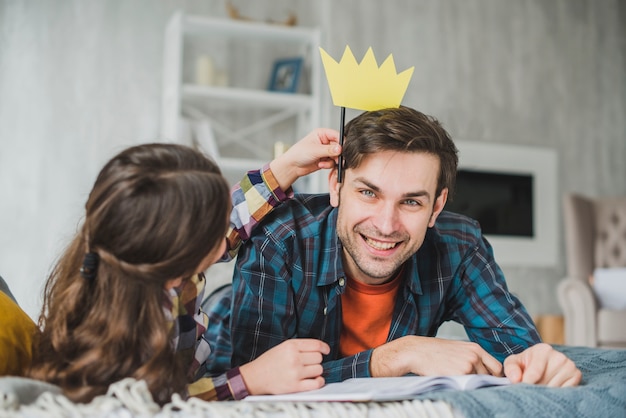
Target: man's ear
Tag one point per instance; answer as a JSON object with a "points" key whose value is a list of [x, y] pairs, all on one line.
{"points": [[333, 187], [440, 202]]}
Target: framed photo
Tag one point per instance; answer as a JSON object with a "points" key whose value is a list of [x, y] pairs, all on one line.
{"points": [[286, 75]]}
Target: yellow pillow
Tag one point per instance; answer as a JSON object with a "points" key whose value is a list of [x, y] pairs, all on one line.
{"points": [[17, 332]]}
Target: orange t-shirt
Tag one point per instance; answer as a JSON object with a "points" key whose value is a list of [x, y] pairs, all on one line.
{"points": [[366, 313]]}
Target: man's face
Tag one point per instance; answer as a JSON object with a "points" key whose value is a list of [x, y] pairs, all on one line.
{"points": [[387, 203]]}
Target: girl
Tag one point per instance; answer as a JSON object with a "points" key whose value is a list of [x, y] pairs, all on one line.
{"points": [[123, 300]]}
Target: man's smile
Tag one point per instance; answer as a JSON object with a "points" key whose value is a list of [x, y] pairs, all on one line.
{"points": [[379, 245]]}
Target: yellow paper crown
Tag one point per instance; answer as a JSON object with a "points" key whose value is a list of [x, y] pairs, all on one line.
{"points": [[365, 86]]}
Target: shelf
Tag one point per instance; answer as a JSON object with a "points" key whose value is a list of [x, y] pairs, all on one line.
{"points": [[242, 119], [248, 97], [247, 30]]}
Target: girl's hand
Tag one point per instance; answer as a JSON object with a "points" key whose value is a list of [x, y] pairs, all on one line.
{"points": [[319, 149], [292, 366]]}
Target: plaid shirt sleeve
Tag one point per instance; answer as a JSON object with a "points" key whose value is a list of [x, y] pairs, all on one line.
{"points": [[474, 293], [182, 308], [228, 386], [255, 196], [492, 316]]}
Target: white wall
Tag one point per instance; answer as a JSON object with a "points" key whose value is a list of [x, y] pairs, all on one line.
{"points": [[81, 80]]}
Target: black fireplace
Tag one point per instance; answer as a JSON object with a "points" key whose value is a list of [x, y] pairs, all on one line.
{"points": [[501, 202]]}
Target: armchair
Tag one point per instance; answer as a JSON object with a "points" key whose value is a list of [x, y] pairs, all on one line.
{"points": [[595, 237]]}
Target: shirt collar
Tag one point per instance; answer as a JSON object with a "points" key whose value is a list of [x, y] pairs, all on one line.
{"points": [[184, 302], [330, 255], [412, 276]]}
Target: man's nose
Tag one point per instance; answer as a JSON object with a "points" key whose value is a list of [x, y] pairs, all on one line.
{"points": [[386, 218]]}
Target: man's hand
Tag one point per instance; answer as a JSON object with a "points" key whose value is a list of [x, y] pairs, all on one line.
{"points": [[292, 366], [541, 364], [431, 356], [319, 149]]}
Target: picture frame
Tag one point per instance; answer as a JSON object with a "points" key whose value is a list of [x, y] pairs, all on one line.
{"points": [[286, 75]]}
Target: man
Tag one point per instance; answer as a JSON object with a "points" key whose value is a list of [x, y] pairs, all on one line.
{"points": [[376, 266]]}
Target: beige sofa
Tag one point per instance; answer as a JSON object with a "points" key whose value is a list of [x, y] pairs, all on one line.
{"points": [[595, 237]]}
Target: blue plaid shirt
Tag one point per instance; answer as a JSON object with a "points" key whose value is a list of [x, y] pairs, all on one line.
{"points": [[289, 278]]}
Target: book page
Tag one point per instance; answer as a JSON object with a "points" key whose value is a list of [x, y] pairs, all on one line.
{"points": [[386, 388]]}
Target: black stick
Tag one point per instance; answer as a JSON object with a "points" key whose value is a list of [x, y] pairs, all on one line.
{"points": [[340, 160]]}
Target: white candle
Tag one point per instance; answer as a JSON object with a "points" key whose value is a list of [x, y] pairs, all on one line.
{"points": [[204, 71]]}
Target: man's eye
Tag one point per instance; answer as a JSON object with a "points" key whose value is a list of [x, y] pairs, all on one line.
{"points": [[367, 193], [412, 202]]}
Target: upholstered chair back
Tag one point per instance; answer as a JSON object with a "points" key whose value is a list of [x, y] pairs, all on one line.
{"points": [[610, 232], [595, 234]]}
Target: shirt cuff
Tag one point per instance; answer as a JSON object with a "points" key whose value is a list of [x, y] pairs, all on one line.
{"points": [[236, 384], [272, 184]]}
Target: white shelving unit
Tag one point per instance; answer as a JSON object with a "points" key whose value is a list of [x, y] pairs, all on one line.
{"points": [[242, 118]]}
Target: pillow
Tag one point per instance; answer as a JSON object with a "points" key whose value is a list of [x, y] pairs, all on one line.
{"points": [[17, 391], [4, 287], [17, 332], [609, 285]]}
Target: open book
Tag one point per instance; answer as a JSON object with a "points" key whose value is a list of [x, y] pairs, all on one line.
{"points": [[387, 388]]}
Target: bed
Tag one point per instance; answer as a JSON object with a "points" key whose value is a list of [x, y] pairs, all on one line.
{"points": [[601, 394]]}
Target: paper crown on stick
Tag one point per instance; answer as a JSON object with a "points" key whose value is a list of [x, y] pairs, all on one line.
{"points": [[365, 86]]}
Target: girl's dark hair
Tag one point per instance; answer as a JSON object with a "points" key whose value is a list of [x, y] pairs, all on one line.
{"points": [[154, 213], [402, 129]]}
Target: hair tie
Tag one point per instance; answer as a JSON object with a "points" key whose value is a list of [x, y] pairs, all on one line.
{"points": [[90, 266]]}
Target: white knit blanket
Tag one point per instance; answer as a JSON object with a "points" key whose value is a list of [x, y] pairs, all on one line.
{"points": [[130, 398]]}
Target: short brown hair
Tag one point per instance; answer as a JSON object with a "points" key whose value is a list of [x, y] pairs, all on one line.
{"points": [[401, 129]]}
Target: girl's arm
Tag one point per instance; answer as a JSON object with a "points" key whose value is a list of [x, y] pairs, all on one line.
{"points": [[260, 191]]}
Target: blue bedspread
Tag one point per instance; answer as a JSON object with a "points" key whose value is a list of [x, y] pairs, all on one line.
{"points": [[602, 392]]}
